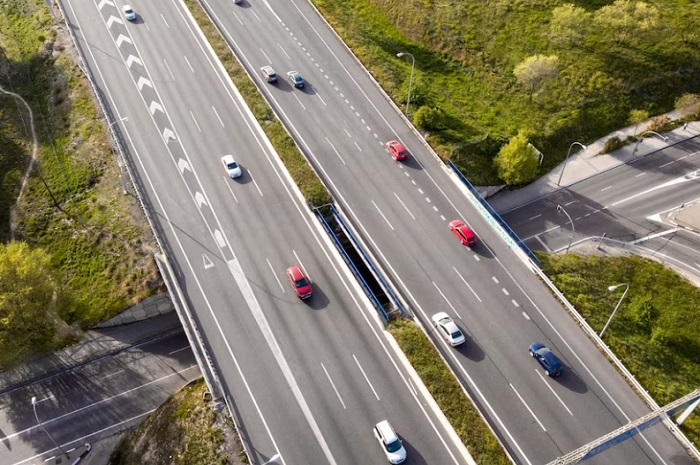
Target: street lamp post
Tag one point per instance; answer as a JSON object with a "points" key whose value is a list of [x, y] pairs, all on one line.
{"points": [[410, 81], [573, 229], [612, 288], [567, 159], [41, 425], [641, 138]]}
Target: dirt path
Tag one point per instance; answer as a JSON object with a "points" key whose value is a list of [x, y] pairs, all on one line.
{"points": [[32, 162]]}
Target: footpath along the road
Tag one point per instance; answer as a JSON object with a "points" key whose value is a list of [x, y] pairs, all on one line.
{"points": [[590, 162]]}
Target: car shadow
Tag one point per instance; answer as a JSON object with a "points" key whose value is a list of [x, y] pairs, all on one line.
{"points": [[413, 455], [571, 380], [318, 300], [244, 178], [411, 163]]}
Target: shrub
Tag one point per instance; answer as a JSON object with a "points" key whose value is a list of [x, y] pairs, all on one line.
{"points": [[613, 144], [659, 123], [689, 106], [516, 162], [429, 118]]}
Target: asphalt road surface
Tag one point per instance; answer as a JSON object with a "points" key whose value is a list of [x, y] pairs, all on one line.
{"points": [[307, 380], [93, 401]]}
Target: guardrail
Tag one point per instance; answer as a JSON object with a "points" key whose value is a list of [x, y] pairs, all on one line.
{"points": [[489, 214], [367, 261]]}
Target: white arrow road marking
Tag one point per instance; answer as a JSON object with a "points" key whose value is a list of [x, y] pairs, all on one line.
{"points": [[112, 20], [123, 38], [105, 2], [183, 165], [133, 59], [207, 262], [143, 82], [155, 106], [200, 199], [168, 135]]}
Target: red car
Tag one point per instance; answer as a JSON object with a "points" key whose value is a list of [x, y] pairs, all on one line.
{"points": [[463, 233], [396, 150], [301, 285]]}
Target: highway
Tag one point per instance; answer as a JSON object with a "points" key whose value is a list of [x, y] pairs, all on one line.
{"points": [[630, 203], [401, 210], [305, 379], [94, 400]]}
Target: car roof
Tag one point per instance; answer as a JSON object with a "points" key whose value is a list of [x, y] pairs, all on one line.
{"points": [[295, 272], [386, 430]]}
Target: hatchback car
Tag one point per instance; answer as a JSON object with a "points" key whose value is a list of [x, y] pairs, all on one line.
{"points": [[296, 79], [390, 442], [396, 150], [232, 168], [269, 74], [546, 358], [463, 233], [129, 13], [448, 329], [299, 283]]}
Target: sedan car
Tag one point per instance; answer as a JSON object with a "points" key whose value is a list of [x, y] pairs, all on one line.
{"points": [[448, 329], [463, 233], [296, 79], [546, 358], [299, 283], [269, 74], [232, 168], [129, 13], [396, 150]]}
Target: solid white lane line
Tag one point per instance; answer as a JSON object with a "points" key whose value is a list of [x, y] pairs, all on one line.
{"points": [[217, 116], [412, 388], [467, 284], [166, 23], [333, 384], [188, 63], [195, 121], [534, 217], [283, 50], [528, 409], [448, 302], [380, 212], [555, 394], [255, 182], [275, 274], [546, 247], [228, 184], [319, 97], [178, 350], [169, 71], [366, 378], [335, 150], [297, 97], [605, 188], [404, 205], [267, 58]]}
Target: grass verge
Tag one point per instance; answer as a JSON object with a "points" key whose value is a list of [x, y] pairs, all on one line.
{"points": [[72, 207], [656, 330], [448, 394], [184, 430], [300, 170]]}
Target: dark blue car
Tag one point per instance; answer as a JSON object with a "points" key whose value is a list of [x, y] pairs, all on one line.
{"points": [[549, 361]]}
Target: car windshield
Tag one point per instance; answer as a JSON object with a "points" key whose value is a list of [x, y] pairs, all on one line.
{"points": [[128, 10], [232, 165], [300, 282], [393, 446], [456, 334]]}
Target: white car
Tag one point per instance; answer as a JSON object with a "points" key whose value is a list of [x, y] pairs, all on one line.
{"points": [[448, 329], [232, 168], [390, 442], [129, 13]]}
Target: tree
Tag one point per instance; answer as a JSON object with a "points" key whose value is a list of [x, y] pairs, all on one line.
{"points": [[689, 106], [534, 69], [429, 119], [569, 24], [625, 18], [27, 294], [516, 162], [637, 117]]}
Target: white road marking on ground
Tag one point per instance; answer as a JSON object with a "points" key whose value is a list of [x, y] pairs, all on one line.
{"points": [[334, 149], [296, 97], [217, 116], [256, 16], [308, 276], [534, 217], [476, 257], [166, 23], [255, 182], [527, 317], [505, 291], [442, 217], [641, 174], [555, 394], [495, 279], [267, 58], [188, 63], [541, 232], [333, 384], [178, 350], [467, 284], [380, 212], [346, 132], [515, 303], [169, 71], [358, 146], [528, 409], [448, 302], [546, 247], [195, 121], [283, 50], [239, 19], [404, 205], [228, 184], [569, 203], [366, 378], [666, 164], [427, 199], [605, 188], [275, 275], [319, 97]]}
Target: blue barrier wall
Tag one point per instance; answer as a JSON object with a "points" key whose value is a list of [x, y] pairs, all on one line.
{"points": [[493, 213]]}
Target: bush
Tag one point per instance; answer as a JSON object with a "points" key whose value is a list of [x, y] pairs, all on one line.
{"points": [[516, 162], [429, 119], [659, 123], [689, 106], [613, 144]]}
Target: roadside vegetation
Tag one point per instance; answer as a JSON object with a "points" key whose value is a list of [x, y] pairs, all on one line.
{"points": [[79, 244], [557, 72], [656, 330], [185, 430], [300, 170], [447, 392]]}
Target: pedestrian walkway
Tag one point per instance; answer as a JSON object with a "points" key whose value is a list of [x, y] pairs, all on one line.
{"points": [[589, 162]]}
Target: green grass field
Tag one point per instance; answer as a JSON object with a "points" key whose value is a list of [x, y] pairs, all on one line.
{"points": [[656, 330], [466, 52]]}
